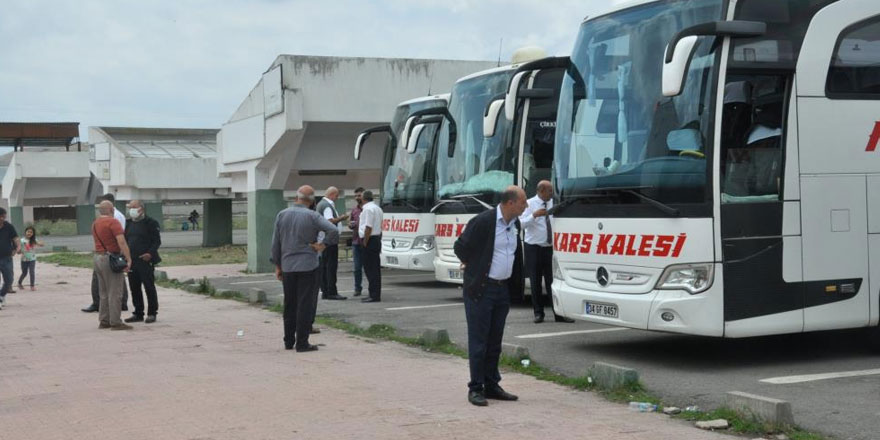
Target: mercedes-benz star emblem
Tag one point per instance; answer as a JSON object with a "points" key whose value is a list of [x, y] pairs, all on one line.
{"points": [[393, 243], [602, 276]]}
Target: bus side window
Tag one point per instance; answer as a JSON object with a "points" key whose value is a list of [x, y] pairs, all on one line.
{"points": [[855, 67]]}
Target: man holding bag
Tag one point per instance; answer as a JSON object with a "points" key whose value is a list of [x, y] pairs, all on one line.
{"points": [[109, 239]]}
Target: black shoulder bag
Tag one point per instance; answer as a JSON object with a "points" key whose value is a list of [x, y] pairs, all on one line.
{"points": [[117, 260]]}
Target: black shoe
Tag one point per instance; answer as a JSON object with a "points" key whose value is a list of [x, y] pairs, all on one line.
{"points": [[477, 398], [539, 319], [307, 348], [90, 309], [134, 318], [498, 393], [369, 300], [150, 319], [288, 346], [358, 293], [563, 319], [334, 297], [314, 331]]}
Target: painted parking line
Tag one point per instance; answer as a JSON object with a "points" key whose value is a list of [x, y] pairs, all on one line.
{"points": [[575, 332], [784, 380], [424, 307]]}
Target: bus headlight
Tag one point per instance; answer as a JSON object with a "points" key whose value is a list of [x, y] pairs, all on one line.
{"points": [[557, 272], [425, 242], [694, 278]]}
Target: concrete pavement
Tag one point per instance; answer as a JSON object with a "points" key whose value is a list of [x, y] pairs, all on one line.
{"points": [[190, 376]]}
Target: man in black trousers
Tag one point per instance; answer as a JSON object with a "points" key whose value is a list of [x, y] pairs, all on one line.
{"points": [[538, 245], [370, 231], [490, 252], [142, 236], [295, 249]]}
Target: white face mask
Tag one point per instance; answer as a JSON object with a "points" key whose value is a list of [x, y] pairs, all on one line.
{"points": [[134, 212]]}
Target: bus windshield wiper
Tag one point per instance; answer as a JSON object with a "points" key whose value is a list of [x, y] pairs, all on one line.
{"points": [[594, 193]]}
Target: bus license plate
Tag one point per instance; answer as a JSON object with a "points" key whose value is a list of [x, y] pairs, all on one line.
{"points": [[600, 309], [454, 274], [391, 260]]}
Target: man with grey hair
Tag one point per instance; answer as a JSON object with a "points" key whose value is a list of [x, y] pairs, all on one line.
{"points": [[142, 236], [295, 249], [329, 259], [120, 217], [109, 238]]}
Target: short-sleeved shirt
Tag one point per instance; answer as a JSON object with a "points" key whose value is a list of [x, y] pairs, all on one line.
{"points": [[105, 230], [7, 237], [372, 217]]}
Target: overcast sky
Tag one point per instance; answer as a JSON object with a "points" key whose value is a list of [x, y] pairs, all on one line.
{"points": [[189, 63]]}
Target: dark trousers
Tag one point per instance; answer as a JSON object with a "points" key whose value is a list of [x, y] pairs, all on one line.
{"points": [[372, 266], [8, 276], [96, 299], [142, 273], [357, 252], [328, 267], [539, 266], [486, 316], [28, 268], [300, 297]]}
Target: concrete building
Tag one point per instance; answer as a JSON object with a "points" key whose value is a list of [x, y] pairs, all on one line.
{"points": [[299, 123], [47, 167], [156, 164]]}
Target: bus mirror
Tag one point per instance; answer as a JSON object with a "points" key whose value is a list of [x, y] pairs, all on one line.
{"points": [[407, 130], [681, 48], [413, 142], [490, 120], [674, 71], [362, 138], [511, 97]]}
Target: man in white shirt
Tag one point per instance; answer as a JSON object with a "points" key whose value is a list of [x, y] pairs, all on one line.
{"points": [[330, 256], [370, 232], [120, 217], [538, 246]]}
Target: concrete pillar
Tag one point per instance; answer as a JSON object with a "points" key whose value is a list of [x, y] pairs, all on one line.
{"points": [[154, 211], [217, 222], [263, 206], [28, 214], [16, 217], [85, 216]]}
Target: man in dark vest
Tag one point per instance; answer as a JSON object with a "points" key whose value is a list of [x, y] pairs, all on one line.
{"points": [[330, 256], [491, 254]]}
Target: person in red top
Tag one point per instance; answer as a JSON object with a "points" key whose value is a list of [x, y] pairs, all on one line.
{"points": [[109, 237]]}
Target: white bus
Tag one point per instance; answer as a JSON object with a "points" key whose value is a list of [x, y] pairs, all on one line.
{"points": [[408, 177], [487, 151], [717, 170]]}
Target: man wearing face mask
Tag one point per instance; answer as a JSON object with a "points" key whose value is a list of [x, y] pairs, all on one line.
{"points": [[142, 236]]}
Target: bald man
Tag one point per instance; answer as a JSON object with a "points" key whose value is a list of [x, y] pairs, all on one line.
{"points": [[295, 249], [538, 249], [109, 238], [330, 257], [490, 252]]}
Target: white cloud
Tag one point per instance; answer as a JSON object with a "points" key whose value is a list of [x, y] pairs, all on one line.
{"points": [[190, 63]]}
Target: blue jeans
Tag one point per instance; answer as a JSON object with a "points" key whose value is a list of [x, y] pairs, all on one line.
{"points": [[486, 316], [357, 252], [6, 272]]}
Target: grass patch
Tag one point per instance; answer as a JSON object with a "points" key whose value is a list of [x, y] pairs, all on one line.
{"points": [[748, 424], [55, 227], [170, 257]]}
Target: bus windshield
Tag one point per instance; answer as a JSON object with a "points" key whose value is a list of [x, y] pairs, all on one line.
{"points": [[615, 129], [408, 179], [480, 166]]}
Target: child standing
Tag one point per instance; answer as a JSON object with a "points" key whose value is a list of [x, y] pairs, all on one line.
{"points": [[28, 253]]}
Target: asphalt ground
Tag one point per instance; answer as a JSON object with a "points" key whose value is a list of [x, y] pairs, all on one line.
{"points": [[683, 370]]}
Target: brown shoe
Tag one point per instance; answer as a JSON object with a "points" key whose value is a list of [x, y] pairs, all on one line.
{"points": [[104, 325], [121, 327]]}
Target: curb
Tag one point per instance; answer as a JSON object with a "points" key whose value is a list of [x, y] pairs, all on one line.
{"points": [[764, 408], [610, 376]]}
